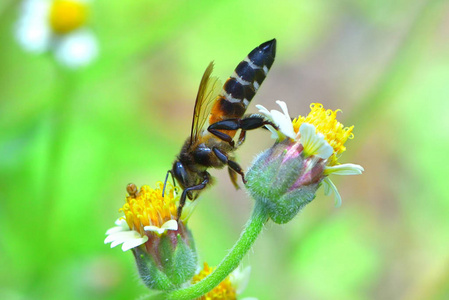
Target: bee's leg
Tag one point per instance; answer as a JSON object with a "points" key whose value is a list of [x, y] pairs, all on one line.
{"points": [[165, 181], [247, 123], [200, 186], [254, 121], [231, 164], [242, 137], [233, 176], [215, 130]]}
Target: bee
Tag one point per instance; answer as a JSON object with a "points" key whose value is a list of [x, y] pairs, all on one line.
{"points": [[224, 108]]}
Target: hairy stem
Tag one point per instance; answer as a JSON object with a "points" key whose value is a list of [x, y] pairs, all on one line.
{"points": [[230, 262]]}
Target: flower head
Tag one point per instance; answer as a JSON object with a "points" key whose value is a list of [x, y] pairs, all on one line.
{"points": [[229, 288], [147, 215], [306, 152], [151, 230], [323, 123], [59, 26]]}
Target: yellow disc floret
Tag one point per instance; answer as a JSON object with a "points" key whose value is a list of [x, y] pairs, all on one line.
{"points": [[147, 207], [66, 16], [224, 290], [326, 123]]}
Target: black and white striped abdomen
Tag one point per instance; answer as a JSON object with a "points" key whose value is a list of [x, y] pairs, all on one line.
{"points": [[241, 87]]}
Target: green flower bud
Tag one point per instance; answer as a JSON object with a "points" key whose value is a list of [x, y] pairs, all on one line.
{"points": [[283, 180], [168, 258]]}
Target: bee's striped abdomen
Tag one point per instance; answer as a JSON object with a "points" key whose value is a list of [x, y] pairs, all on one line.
{"points": [[241, 87]]}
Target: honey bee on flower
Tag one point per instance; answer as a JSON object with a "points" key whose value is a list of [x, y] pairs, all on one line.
{"points": [[59, 26]]}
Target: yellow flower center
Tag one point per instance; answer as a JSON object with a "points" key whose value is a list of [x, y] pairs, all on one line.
{"points": [[224, 290], [326, 123], [66, 16], [147, 207]]}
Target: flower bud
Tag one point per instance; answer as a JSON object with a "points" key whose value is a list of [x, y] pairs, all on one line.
{"points": [[171, 255], [284, 180]]}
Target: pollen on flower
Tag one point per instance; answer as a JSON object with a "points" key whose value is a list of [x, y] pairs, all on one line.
{"points": [[147, 207], [225, 290], [326, 123], [66, 16]]}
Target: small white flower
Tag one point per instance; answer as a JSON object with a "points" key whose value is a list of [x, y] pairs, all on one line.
{"points": [[37, 31]]}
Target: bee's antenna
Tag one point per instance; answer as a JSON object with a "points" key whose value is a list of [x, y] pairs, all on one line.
{"points": [[165, 181]]}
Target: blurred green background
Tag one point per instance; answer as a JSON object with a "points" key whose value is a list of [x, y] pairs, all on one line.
{"points": [[70, 142]]}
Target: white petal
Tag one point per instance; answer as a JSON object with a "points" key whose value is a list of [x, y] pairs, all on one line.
{"points": [[116, 243], [32, 29], [33, 35], [169, 225], [124, 237], [77, 49], [284, 108], [332, 188], [121, 222], [121, 226], [313, 143], [264, 111], [240, 278], [117, 236], [284, 123], [345, 169], [129, 239], [154, 229], [114, 230], [327, 188], [134, 243], [35, 10], [280, 119]]}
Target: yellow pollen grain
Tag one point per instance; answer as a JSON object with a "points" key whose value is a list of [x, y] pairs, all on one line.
{"points": [[148, 207], [66, 16], [223, 291], [325, 122]]}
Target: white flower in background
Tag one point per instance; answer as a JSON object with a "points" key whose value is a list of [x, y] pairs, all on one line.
{"points": [[58, 26]]}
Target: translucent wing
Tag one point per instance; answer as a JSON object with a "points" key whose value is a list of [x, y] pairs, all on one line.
{"points": [[209, 89]]}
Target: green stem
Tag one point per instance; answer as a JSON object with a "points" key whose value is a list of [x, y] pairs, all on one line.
{"points": [[60, 122], [230, 262]]}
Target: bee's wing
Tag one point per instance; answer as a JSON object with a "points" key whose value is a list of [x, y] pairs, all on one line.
{"points": [[208, 91]]}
